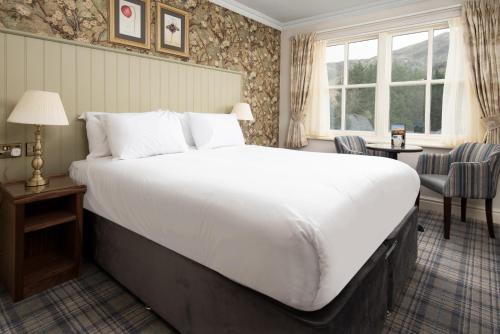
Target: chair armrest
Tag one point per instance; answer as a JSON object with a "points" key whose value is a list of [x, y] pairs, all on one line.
{"points": [[344, 149], [469, 180], [433, 163], [353, 152], [494, 161]]}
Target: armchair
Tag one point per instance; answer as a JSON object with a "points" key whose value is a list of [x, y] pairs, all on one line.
{"points": [[354, 145], [469, 171]]}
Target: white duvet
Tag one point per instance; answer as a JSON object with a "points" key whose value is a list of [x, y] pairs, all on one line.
{"points": [[295, 226]]}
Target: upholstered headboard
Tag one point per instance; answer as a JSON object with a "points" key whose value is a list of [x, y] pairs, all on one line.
{"points": [[94, 78]]}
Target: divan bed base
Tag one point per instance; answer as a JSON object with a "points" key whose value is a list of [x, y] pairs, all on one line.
{"points": [[195, 299]]}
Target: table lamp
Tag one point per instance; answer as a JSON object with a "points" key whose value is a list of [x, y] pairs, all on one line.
{"points": [[243, 112], [38, 108]]}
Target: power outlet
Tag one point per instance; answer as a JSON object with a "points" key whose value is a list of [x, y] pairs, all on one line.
{"points": [[30, 149], [10, 151]]}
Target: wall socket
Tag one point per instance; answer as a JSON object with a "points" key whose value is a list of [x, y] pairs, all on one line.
{"points": [[10, 151], [30, 149]]}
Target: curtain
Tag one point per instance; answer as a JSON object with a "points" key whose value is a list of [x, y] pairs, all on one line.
{"points": [[300, 81], [483, 41], [461, 112], [317, 119]]}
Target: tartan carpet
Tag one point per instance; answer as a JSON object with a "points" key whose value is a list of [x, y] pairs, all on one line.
{"points": [[456, 285], [455, 289], [93, 303]]}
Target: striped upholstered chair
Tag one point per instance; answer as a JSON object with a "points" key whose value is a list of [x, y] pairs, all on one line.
{"points": [[355, 145], [350, 145], [469, 171]]}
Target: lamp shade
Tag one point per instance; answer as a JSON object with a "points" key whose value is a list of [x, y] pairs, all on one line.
{"points": [[39, 108], [243, 112]]}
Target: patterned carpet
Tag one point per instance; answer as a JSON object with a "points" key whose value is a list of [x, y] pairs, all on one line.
{"points": [[456, 285], [455, 289]]}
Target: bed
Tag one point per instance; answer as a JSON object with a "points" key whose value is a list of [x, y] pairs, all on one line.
{"points": [[247, 239]]}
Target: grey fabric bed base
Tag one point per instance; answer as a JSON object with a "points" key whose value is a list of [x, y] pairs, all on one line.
{"points": [[195, 299]]}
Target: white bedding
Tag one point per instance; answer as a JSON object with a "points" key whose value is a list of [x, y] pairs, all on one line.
{"points": [[295, 226]]}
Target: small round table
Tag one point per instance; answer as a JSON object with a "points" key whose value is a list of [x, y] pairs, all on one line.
{"points": [[393, 151]]}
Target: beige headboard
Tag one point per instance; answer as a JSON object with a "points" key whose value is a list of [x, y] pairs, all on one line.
{"points": [[93, 78]]}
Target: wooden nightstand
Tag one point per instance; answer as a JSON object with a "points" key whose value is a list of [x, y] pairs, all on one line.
{"points": [[40, 235]]}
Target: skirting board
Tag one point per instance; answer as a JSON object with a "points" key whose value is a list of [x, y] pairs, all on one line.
{"points": [[475, 212]]}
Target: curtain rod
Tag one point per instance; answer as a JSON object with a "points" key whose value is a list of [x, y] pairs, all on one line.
{"points": [[441, 10]]}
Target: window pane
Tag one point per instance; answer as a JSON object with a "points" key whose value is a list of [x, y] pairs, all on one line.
{"points": [[436, 107], [335, 64], [335, 108], [363, 62], [409, 57], [440, 46], [360, 108], [408, 107]]}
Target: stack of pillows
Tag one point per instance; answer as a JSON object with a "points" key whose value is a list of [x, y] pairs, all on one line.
{"points": [[140, 135]]}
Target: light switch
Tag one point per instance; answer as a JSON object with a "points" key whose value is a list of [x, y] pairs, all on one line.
{"points": [[30, 149]]}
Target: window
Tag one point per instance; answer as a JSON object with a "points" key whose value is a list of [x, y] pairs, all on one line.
{"points": [[418, 66], [388, 78], [352, 77]]}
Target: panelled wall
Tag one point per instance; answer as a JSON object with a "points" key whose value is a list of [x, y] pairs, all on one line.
{"points": [[218, 37], [96, 79]]}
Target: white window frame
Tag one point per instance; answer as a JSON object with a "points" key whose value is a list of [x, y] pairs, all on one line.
{"points": [[381, 132], [345, 85], [428, 82]]}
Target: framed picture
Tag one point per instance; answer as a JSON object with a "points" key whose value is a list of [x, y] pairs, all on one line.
{"points": [[172, 34], [129, 22]]}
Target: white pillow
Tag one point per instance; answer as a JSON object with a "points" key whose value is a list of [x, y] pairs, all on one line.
{"points": [[132, 136], [96, 135], [186, 129], [215, 130]]}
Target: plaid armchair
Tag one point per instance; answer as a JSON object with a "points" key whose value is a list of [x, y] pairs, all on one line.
{"points": [[469, 171], [355, 145]]}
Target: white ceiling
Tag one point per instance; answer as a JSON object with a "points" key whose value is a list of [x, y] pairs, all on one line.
{"points": [[282, 14], [286, 11]]}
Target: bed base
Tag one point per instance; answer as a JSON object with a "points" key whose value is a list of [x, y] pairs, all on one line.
{"points": [[195, 299]]}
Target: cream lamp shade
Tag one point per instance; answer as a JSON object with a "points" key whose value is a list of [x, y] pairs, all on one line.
{"points": [[243, 112], [39, 108]]}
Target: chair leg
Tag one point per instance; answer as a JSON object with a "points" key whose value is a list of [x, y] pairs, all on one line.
{"points": [[489, 217], [464, 209], [447, 216], [420, 228]]}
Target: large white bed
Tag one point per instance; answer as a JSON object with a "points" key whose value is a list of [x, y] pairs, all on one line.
{"points": [[295, 226]]}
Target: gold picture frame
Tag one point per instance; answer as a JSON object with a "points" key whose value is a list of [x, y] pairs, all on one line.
{"points": [[172, 30], [130, 22]]}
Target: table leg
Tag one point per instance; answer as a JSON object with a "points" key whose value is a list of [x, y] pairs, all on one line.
{"points": [[393, 155]]}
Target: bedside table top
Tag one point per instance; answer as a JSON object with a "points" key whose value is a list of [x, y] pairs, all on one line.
{"points": [[58, 186]]}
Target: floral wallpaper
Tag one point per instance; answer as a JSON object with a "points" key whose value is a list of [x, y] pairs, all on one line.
{"points": [[218, 37]]}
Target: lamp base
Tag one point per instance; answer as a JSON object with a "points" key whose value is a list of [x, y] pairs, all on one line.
{"points": [[37, 181]]}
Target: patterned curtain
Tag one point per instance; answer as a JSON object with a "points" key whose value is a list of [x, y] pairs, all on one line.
{"points": [[301, 70], [483, 33], [317, 110]]}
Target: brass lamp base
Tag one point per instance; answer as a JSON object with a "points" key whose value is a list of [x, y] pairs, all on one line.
{"points": [[37, 179]]}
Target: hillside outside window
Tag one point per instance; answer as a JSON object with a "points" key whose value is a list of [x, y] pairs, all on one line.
{"points": [[390, 77]]}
